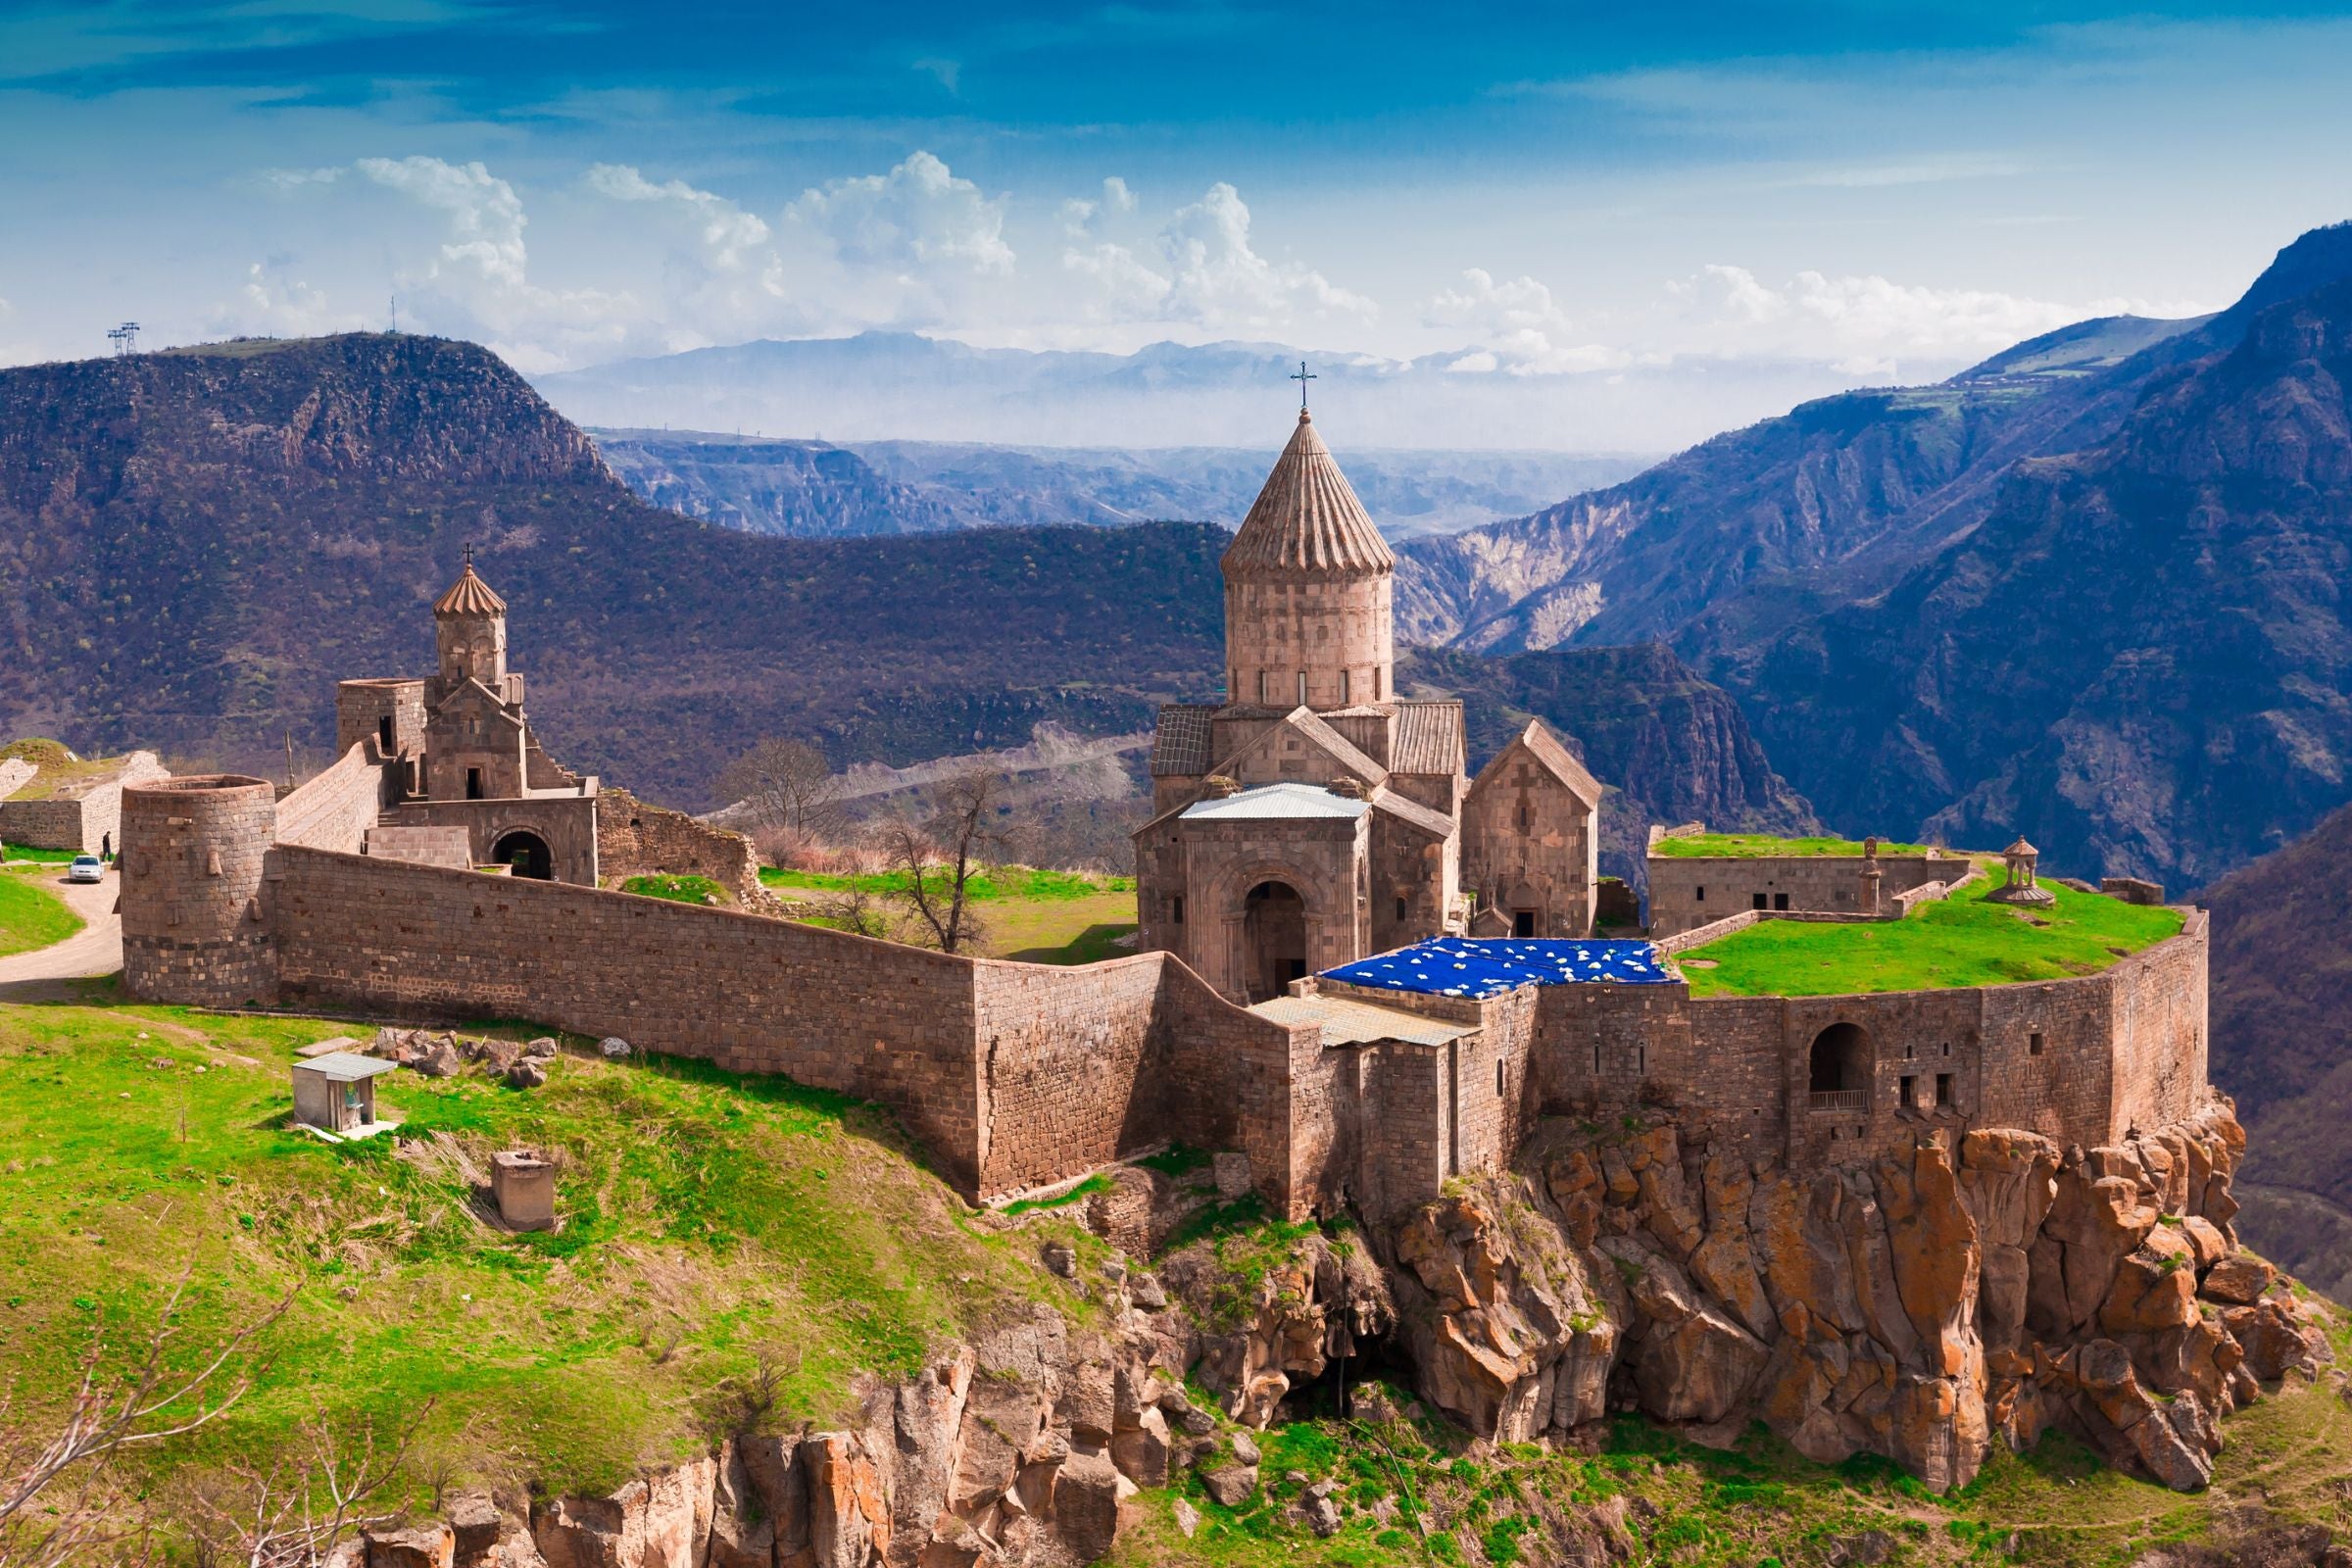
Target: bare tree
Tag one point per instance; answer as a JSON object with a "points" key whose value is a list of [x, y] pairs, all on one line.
{"points": [[786, 786], [940, 856], [856, 907], [149, 1406], [295, 1512]]}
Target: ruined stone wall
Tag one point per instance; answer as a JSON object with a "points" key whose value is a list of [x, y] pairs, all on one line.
{"points": [[84, 821], [837, 1011], [636, 838], [335, 809], [1687, 891], [1061, 1076]]}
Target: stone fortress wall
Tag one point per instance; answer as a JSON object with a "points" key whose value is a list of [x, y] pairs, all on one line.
{"points": [[1018, 1077]]}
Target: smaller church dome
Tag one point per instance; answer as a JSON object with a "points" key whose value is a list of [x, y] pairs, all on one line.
{"points": [[1307, 517], [469, 596]]}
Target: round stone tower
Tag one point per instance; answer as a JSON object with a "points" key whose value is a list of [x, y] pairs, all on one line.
{"points": [[1307, 589], [191, 867]]}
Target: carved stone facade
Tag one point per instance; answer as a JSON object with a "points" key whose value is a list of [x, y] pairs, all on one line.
{"points": [[1316, 817]]}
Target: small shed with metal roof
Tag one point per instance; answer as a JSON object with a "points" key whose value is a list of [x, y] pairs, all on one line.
{"points": [[336, 1094]]}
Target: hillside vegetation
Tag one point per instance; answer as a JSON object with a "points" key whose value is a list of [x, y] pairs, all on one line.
{"points": [[713, 1223]]}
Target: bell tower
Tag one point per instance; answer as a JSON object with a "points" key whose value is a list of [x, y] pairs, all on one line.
{"points": [[469, 626]]}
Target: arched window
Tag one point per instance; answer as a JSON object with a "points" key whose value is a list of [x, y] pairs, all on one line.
{"points": [[1302, 688]]}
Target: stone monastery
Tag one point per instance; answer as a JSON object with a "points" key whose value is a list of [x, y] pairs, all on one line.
{"points": [[1361, 968]]}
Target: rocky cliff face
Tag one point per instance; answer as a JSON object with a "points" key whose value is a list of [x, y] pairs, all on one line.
{"points": [[1919, 1307], [1922, 1306]]}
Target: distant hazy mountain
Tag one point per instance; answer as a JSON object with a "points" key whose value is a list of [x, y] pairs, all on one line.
{"points": [[890, 386], [809, 489]]}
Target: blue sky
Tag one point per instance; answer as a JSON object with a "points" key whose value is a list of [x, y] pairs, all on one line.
{"points": [[1881, 191]]}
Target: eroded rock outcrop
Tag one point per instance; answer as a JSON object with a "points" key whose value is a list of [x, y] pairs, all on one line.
{"points": [[1916, 1304]]}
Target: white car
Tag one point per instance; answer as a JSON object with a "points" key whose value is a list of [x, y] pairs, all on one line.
{"points": [[87, 869]]}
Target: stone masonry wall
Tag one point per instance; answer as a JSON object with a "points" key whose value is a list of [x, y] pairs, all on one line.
{"points": [[334, 810], [1061, 1081], [1820, 882], [85, 821], [837, 1011], [193, 926]]}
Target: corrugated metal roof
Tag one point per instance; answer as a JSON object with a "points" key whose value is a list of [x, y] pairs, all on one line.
{"points": [[1271, 800], [1180, 748], [1348, 1023], [343, 1066], [1428, 738]]}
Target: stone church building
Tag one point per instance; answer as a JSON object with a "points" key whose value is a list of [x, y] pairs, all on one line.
{"points": [[1316, 817], [472, 786]]}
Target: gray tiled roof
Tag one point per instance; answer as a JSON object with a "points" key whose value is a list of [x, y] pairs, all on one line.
{"points": [[1180, 748], [1428, 738]]}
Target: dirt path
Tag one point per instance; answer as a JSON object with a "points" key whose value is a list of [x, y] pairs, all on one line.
{"points": [[46, 975]]}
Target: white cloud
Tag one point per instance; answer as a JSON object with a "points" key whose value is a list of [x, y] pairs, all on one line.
{"points": [[1864, 324], [1520, 327], [1116, 196], [1077, 214], [275, 304], [918, 217], [485, 216], [1217, 277], [1124, 288], [726, 230]]}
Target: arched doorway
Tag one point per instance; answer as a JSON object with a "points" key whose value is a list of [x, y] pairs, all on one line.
{"points": [[1273, 939], [527, 852], [1839, 1069]]}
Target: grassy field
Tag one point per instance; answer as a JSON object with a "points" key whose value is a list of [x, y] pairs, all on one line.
{"points": [[1034, 915], [711, 1220], [1757, 1504], [677, 889], [26, 852], [1756, 846], [58, 767], [32, 915], [1956, 942]]}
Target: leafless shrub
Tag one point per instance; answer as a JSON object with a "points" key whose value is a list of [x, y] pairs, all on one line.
{"points": [[294, 1512], [62, 1467], [940, 856], [785, 786]]}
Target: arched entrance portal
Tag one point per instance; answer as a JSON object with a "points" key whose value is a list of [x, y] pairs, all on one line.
{"points": [[1838, 1072], [526, 853], [1273, 939]]}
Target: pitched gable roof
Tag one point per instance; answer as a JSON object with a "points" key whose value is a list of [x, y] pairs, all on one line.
{"points": [[1180, 746], [1437, 824], [1428, 737], [1538, 742], [1345, 754]]}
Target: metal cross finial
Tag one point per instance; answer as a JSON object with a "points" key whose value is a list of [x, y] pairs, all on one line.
{"points": [[468, 555], [1304, 377]]}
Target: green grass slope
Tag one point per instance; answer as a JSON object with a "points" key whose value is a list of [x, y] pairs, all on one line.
{"points": [[31, 914], [1961, 941], [711, 1221]]}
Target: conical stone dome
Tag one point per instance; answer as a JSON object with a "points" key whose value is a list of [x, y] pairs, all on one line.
{"points": [[1308, 582], [1308, 518]]}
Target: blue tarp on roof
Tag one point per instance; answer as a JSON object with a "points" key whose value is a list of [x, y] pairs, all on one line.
{"points": [[1479, 968]]}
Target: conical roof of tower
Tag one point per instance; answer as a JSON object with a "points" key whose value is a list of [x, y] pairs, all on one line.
{"points": [[469, 596], [1307, 517]]}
